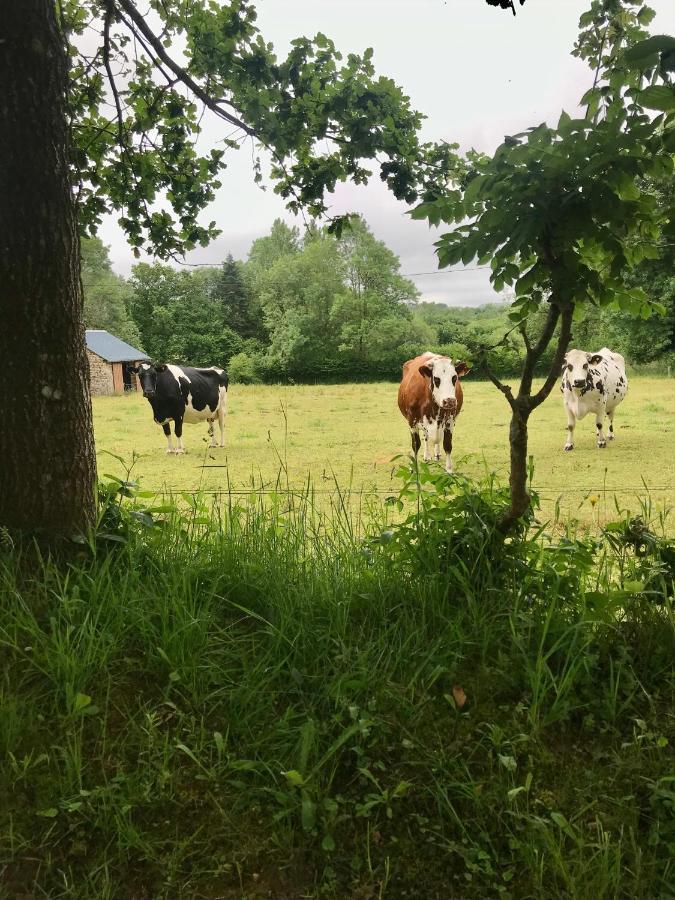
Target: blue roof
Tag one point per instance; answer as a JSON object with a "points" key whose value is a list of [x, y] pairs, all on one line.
{"points": [[111, 348]]}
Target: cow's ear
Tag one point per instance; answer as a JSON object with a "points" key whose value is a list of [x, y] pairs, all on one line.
{"points": [[595, 359], [564, 363], [161, 368], [134, 370], [425, 371], [461, 368]]}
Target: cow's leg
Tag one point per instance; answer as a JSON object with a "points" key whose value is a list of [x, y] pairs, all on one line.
{"points": [[166, 427], [425, 432], [447, 446], [212, 442], [610, 416], [433, 435], [599, 419], [571, 422], [178, 428], [416, 442], [222, 409]]}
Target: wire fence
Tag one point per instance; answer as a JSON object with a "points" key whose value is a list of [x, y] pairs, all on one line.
{"points": [[539, 489]]}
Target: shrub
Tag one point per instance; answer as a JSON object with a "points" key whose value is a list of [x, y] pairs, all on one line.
{"points": [[244, 369]]}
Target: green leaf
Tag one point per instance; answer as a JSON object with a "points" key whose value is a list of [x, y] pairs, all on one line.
{"points": [[308, 813], [633, 587], [294, 778], [563, 824], [508, 762], [658, 96], [50, 813], [564, 122], [81, 702], [449, 255], [644, 49], [624, 186], [513, 793], [423, 211], [328, 843], [473, 189], [143, 517]]}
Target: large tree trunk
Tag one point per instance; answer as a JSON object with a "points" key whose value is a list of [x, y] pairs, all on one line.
{"points": [[47, 462]]}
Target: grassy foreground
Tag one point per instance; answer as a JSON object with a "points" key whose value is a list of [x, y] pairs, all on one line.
{"points": [[349, 434], [268, 705]]}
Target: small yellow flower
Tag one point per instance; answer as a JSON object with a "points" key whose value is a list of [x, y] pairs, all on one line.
{"points": [[594, 499]]}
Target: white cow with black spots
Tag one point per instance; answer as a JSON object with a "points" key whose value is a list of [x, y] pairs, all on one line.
{"points": [[593, 383], [185, 394]]}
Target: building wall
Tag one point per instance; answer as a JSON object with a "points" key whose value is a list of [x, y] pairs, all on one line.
{"points": [[118, 378], [101, 375]]}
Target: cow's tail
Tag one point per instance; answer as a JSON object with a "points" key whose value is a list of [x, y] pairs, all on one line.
{"points": [[223, 380]]}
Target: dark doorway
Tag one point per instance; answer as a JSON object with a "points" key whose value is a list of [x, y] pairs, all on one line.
{"points": [[128, 377]]}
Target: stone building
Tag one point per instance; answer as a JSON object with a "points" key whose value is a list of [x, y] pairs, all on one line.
{"points": [[109, 361]]}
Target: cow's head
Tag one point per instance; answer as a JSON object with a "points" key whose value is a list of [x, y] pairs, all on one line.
{"points": [[147, 375], [443, 374], [576, 365]]}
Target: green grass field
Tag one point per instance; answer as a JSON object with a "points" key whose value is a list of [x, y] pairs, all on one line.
{"points": [[349, 434]]}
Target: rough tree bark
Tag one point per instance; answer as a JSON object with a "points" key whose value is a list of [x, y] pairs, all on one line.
{"points": [[48, 468], [520, 499]]}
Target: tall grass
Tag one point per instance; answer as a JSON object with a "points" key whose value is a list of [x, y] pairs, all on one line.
{"points": [[256, 699]]}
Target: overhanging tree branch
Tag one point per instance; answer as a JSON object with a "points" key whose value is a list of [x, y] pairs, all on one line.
{"points": [[179, 71], [111, 78], [534, 353], [561, 348], [504, 388]]}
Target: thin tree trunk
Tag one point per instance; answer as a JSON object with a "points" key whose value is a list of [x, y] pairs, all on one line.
{"points": [[520, 499], [524, 404], [47, 469]]}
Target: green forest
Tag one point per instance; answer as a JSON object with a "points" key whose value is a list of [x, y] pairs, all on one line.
{"points": [[315, 307]]}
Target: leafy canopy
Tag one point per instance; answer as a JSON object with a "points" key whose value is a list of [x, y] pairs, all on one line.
{"points": [[137, 97]]}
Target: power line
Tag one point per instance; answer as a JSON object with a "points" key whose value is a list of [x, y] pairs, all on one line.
{"points": [[209, 265], [445, 271]]}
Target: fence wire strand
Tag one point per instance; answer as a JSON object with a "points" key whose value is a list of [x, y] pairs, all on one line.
{"points": [[552, 491]]}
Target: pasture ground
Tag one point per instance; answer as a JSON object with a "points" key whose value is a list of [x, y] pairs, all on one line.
{"points": [[350, 435]]}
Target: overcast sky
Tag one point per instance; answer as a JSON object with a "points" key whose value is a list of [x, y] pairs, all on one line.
{"points": [[475, 71]]}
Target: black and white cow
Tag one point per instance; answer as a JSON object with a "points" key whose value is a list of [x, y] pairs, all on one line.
{"points": [[185, 395], [593, 382]]}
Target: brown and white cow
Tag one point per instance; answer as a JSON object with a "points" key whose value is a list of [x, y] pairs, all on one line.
{"points": [[430, 397]]}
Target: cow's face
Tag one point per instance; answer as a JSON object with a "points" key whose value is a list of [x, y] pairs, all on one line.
{"points": [[147, 375], [576, 366], [443, 374]]}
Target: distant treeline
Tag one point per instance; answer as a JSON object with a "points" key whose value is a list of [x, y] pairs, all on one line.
{"points": [[319, 308]]}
